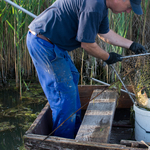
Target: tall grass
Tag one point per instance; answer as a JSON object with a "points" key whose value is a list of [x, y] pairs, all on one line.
{"points": [[146, 8], [14, 27], [14, 56]]}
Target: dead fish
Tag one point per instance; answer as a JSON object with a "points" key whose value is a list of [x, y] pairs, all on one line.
{"points": [[143, 99]]}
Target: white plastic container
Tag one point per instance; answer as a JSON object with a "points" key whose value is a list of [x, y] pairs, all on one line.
{"points": [[142, 124]]}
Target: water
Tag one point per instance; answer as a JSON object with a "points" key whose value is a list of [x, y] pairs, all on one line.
{"points": [[17, 115]]}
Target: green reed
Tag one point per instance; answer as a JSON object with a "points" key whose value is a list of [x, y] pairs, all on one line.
{"points": [[14, 27], [14, 54]]}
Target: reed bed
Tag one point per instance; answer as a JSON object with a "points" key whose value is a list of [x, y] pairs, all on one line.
{"points": [[15, 62]]}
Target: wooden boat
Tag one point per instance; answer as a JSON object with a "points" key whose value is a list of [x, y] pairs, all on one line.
{"points": [[96, 131]]}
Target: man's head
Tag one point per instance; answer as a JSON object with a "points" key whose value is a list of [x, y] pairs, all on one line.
{"points": [[119, 6]]}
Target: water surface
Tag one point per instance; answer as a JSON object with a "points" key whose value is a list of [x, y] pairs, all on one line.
{"points": [[17, 115]]}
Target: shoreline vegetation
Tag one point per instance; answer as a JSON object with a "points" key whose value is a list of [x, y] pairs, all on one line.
{"points": [[15, 62]]}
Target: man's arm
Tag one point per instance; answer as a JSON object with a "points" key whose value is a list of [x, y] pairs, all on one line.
{"points": [[113, 38], [94, 50]]}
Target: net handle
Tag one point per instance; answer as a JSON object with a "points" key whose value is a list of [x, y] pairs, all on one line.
{"points": [[135, 55]]}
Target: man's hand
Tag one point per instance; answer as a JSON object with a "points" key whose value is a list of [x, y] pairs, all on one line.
{"points": [[137, 48], [113, 58]]}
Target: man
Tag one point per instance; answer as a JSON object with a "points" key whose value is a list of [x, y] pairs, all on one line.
{"points": [[65, 26]]}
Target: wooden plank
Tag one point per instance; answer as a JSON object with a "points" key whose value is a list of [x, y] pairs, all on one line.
{"points": [[137, 144], [43, 123], [97, 122], [85, 92], [124, 100], [31, 141]]}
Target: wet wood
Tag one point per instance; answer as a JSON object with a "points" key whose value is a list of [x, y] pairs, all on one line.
{"points": [[97, 121], [85, 92], [54, 143], [42, 126], [137, 144], [43, 123]]}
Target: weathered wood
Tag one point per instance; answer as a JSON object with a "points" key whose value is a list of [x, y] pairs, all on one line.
{"points": [[134, 143], [54, 143], [85, 93], [97, 121], [124, 100], [43, 123]]}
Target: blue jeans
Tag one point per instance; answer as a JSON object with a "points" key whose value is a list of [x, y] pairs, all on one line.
{"points": [[59, 79]]}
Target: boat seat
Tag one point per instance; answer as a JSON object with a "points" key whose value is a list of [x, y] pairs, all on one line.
{"points": [[98, 118]]}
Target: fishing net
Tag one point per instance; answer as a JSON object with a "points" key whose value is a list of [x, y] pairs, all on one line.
{"points": [[136, 72]]}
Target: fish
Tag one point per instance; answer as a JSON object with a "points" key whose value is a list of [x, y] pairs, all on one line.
{"points": [[143, 99]]}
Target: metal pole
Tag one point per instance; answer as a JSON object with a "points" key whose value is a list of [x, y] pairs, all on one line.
{"points": [[22, 9], [99, 81], [123, 84], [136, 55]]}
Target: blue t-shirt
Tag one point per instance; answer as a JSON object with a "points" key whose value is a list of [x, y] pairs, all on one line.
{"points": [[67, 23]]}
